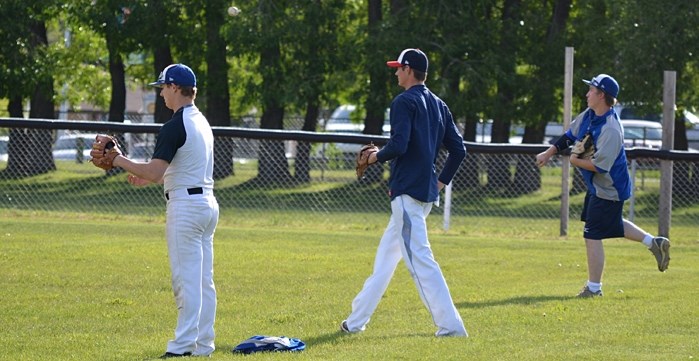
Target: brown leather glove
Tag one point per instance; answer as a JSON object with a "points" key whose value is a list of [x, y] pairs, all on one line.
{"points": [[104, 150], [363, 159], [584, 148]]}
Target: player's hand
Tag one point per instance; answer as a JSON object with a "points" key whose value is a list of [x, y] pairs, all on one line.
{"points": [[137, 181], [542, 158]]}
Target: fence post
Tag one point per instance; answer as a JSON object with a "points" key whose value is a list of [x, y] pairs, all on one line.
{"points": [[447, 205], [632, 200], [567, 115], [665, 204]]}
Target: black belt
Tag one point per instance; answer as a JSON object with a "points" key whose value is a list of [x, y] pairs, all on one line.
{"points": [[190, 191]]}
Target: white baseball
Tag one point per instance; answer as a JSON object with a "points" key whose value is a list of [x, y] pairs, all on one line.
{"points": [[233, 11]]}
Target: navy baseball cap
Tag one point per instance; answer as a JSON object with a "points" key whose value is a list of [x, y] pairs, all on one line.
{"points": [[178, 74], [604, 83], [414, 58]]}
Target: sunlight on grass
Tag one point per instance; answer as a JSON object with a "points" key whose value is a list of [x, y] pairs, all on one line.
{"points": [[103, 293]]}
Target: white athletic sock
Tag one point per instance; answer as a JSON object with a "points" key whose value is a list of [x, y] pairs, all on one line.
{"points": [[594, 287], [648, 240]]}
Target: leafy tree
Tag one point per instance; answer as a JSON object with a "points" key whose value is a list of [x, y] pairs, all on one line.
{"points": [[110, 19], [660, 37], [260, 36], [505, 101], [29, 51], [217, 89], [80, 71], [375, 66], [317, 52], [545, 23]]}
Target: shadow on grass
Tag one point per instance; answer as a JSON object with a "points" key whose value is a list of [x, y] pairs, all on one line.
{"points": [[522, 300], [330, 337]]}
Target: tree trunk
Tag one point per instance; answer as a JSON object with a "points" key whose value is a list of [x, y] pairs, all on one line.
{"points": [[377, 98], [14, 107], [117, 104], [302, 165], [217, 94], [162, 57], [682, 173], [468, 172], [273, 167], [29, 152], [499, 176], [528, 176]]}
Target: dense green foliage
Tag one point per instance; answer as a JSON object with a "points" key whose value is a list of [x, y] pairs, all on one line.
{"points": [[491, 59]]}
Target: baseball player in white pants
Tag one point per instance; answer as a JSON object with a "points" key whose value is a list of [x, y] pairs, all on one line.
{"points": [[191, 222], [406, 238], [421, 124], [183, 161]]}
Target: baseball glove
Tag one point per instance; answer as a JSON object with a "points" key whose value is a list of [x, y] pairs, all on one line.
{"points": [[363, 158], [104, 150], [584, 148]]}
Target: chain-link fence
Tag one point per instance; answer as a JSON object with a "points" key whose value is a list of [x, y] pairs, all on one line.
{"points": [[44, 166]]}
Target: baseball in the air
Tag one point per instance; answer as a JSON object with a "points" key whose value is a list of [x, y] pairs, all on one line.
{"points": [[233, 11]]}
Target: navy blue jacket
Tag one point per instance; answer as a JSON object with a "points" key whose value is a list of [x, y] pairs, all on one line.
{"points": [[421, 124]]}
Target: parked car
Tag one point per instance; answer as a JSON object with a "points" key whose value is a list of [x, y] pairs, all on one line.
{"points": [[4, 141], [642, 133], [349, 114], [630, 112], [75, 147], [484, 129], [344, 119]]}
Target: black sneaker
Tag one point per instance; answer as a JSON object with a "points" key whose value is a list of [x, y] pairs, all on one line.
{"points": [[586, 293], [173, 355], [660, 248]]}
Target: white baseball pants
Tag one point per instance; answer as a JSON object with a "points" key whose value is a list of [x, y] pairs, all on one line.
{"points": [[191, 222], [406, 238]]}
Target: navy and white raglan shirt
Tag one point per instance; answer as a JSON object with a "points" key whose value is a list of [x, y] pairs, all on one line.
{"points": [[186, 142], [421, 124], [611, 181]]}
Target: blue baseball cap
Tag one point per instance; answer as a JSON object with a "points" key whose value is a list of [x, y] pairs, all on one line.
{"points": [[414, 58], [178, 74], [605, 83]]}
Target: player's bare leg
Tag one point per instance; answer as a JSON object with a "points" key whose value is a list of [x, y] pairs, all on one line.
{"points": [[634, 232], [595, 259]]}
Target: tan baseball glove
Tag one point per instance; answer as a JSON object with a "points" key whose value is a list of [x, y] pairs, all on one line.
{"points": [[584, 148], [104, 150], [363, 158]]}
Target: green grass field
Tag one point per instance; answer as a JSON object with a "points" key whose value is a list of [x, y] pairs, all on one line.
{"points": [[75, 287]]}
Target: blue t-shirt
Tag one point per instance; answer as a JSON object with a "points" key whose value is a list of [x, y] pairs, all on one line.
{"points": [[421, 124], [611, 181]]}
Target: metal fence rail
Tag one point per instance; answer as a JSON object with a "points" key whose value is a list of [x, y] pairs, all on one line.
{"points": [[307, 171]]}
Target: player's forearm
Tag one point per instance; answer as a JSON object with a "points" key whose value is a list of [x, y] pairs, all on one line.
{"points": [[582, 163], [151, 171]]}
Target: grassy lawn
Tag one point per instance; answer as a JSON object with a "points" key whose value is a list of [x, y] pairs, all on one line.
{"points": [[75, 287]]}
